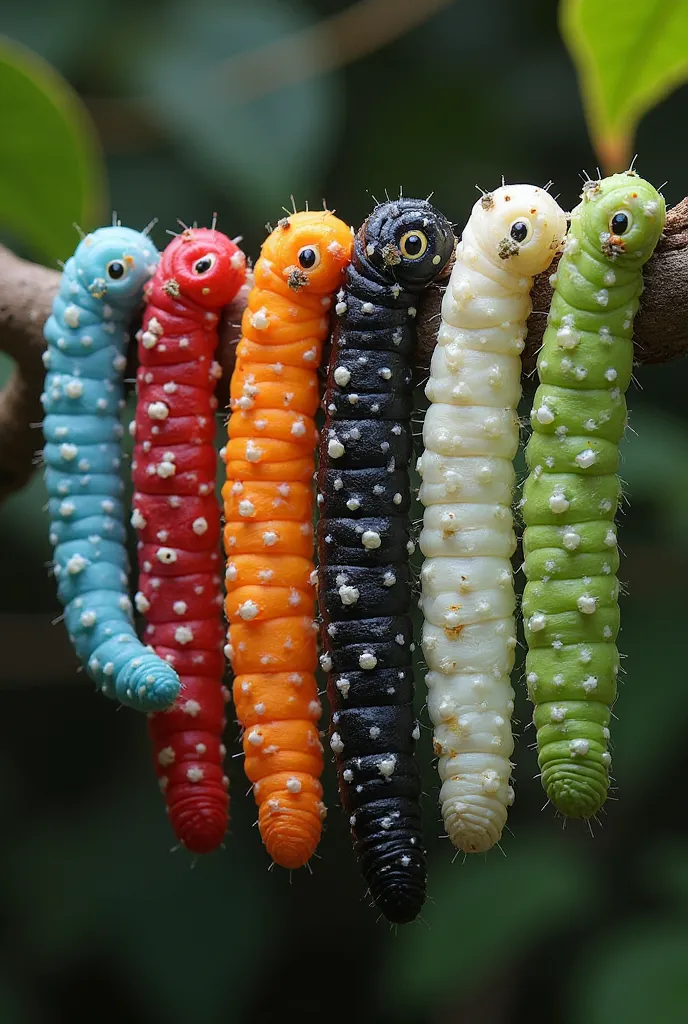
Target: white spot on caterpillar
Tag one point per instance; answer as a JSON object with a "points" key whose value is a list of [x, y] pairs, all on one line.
{"points": [[246, 508], [270, 538], [537, 622], [586, 458], [71, 316], [353, 504], [342, 376], [590, 683], [374, 732], [298, 429], [558, 502], [248, 610], [336, 743], [158, 411], [260, 319], [387, 765], [610, 538], [166, 555], [557, 714], [579, 748], [389, 579], [325, 662], [343, 685], [179, 607], [253, 452], [370, 539], [570, 539], [348, 595], [335, 448], [293, 785], [76, 564], [586, 604], [610, 374], [544, 415], [255, 738], [183, 635], [567, 337], [199, 526], [367, 660]]}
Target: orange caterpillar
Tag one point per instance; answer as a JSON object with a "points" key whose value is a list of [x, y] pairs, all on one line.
{"points": [[268, 501]]}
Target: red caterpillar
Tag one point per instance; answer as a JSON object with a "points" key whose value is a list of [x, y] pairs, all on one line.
{"points": [[178, 522]]}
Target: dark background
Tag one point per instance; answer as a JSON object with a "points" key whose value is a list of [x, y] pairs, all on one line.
{"points": [[98, 920]]}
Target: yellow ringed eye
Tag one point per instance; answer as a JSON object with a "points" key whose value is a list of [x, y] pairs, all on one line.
{"points": [[413, 244]]}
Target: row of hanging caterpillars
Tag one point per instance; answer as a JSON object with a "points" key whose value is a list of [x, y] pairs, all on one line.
{"points": [[316, 281]]}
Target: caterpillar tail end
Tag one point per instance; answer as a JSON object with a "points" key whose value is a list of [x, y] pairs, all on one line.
{"points": [[201, 828], [474, 825], [577, 790], [290, 824], [150, 686], [397, 895]]}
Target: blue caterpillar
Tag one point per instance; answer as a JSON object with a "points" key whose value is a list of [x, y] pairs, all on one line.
{"points": [[100, 290]]}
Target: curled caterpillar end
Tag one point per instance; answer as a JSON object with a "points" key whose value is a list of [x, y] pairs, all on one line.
{"points": [[574, 759], [474, 808], [148, 684], [393, 860], [290, 817]]}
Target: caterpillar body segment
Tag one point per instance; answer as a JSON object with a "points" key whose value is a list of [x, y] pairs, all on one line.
{"points": [[471, 435], [268, 502], [363, 545], [178, 522], [570, 602], [100, 290]]}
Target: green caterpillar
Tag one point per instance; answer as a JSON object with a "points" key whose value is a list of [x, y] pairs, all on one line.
{"points": [[570, 602]]}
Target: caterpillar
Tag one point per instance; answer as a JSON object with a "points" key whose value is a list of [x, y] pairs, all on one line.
{"points": [[471, 435], [364, 586], [268, 502], [100, 290], [177, 518], [570, 602]]}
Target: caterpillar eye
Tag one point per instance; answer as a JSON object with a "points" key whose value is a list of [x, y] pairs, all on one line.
{"points": [[116, 270], [521, 231], [205, 263], [620, 222], [413, 244], [309, 257]]}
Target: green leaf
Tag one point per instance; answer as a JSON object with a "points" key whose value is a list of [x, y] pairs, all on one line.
{"points": [[629, 55], [51, 166], [477, 908], [634, 976]]}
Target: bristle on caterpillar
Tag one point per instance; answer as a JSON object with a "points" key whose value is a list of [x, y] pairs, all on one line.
{"points": [[178, 522], [100, 290], [268, 501]]}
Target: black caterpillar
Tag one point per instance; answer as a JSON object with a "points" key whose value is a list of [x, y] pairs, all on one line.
{"points": [[364, 582]]}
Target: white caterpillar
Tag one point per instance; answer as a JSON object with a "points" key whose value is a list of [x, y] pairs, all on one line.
{"points": [[471, 435]]}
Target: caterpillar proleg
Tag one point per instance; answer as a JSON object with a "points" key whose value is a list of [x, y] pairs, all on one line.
{"points": [[570, 603], [471, 435]]}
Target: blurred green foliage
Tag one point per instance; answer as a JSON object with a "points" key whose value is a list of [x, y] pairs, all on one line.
{"points": [[98, 921]]}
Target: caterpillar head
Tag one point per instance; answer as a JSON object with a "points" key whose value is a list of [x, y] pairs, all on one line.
{"points": [[408, 241], [114, 263], [204, 266], [519, 227], [622, 217], [310, 251]]}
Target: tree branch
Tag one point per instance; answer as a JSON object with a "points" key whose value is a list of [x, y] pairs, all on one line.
{"points": [[27, 291]]}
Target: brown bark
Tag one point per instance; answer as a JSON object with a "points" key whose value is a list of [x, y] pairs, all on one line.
{"points": [[27, 291]]}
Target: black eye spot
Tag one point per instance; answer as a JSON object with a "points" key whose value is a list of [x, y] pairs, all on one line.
{"points": [[116, 270], [203, 265], [619, 223], [519, 231], [308, 257], [414, 244]]}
